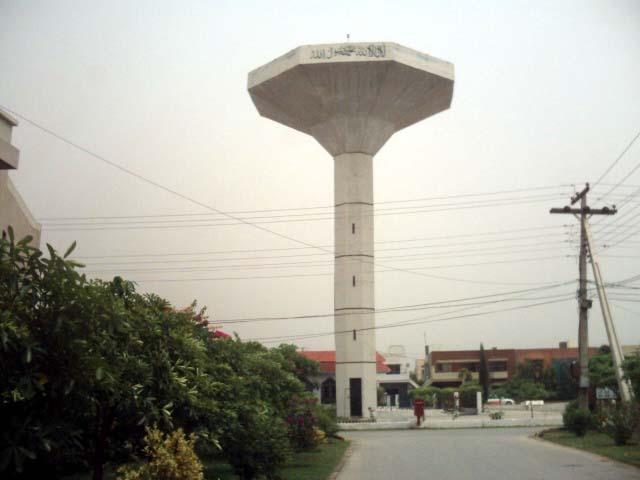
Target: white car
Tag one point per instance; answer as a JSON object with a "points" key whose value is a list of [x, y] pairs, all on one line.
{"points": [[501, 401], [535, 403]]}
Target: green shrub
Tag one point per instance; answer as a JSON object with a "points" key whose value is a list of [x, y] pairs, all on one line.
{"points": [[171, 457], [427, 394], [301, 423], [326, 419], [468, 393], [445, 399], [255, 443], [496, 415], [577, 420], [621, 422]]}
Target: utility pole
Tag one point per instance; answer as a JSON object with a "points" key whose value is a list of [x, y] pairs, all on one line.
{"points": [[616, 350], [584, 303]]}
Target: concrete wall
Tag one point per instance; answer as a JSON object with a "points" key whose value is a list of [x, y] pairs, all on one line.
{"points": [[13, 210]]}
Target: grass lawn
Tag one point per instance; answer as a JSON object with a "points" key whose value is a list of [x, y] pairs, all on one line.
{"points": [[597, 443], [315, 465]]}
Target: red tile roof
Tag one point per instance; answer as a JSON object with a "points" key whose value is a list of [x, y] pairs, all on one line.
{"points": [[327, 360]]}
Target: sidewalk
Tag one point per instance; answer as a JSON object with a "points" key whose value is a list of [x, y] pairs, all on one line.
{"points": [[439, 420]]}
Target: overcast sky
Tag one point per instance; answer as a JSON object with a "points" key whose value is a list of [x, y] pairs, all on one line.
{"points": [[546, 95]]}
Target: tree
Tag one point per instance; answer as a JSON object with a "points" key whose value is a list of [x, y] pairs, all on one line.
{"points": [[484, 374], [631, 367], [601, 372], [88, 365], [465, 375], [521, 389]]}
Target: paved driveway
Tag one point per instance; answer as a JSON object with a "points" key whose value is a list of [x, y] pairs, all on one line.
{"points": [[478, 454]]}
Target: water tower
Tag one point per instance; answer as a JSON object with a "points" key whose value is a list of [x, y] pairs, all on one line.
{"points": [[351, 98]]}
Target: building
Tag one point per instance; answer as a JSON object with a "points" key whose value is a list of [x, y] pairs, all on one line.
{"points": [[13, 210], [397, 382], [325, 383], [444, 367], [392, 374]]}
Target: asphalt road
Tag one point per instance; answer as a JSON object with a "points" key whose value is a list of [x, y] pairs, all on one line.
{"points": [[478, 454]]}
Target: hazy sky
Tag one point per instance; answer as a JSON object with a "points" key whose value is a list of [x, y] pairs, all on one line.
{"points": [[546, 95]]}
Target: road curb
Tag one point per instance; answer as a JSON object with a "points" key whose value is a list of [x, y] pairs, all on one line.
{"points": [[343, 461]]}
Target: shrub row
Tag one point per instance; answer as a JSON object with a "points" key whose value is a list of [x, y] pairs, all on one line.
{"points": [[88, 366]]}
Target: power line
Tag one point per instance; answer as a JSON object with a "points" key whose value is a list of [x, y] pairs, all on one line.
{"points": [[416, 321], [224, 252], [622, 154], [287, 265], [451, 302], [311, 275], [327, 207], [633, 170], [172, 224], [213, 209], [437, 253]]}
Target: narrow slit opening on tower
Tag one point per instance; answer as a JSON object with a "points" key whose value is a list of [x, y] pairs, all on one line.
{"points": [[353, 228], [353, 280], [354, 333]]}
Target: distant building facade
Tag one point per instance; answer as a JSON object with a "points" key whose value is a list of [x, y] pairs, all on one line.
{"points": [[444, 367], [397, 382], [392, 375], [13, 210]]}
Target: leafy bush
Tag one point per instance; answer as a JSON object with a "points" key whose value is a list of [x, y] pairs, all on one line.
{"points": [[171, 457], [426, 394], [577, 420], [631, 368], [621, 422], [468, 393], [445, 398], [327, 420], [88, 364], [256, 443], [496, 415], [301, 423], [521, 389]]}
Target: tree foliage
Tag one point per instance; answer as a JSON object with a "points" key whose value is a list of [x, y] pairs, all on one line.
{"points": [[170, 457], [601, 372], [89, 365], [483, 374], [530, 382]]}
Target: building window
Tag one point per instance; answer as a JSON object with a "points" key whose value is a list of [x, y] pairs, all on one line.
{"points": [[328, 391], [395, 368], [497, 366], [444, 367], [471, 366]]}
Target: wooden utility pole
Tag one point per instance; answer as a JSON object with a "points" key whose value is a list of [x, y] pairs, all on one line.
{"points": [[584, 303]]}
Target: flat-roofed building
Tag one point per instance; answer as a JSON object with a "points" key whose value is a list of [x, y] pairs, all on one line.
{"points": [[445, 367], [14, 212]]}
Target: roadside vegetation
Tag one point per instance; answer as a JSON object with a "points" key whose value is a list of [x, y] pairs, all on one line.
{"points": [[96, 375], [598, 443], [612, 429]]}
